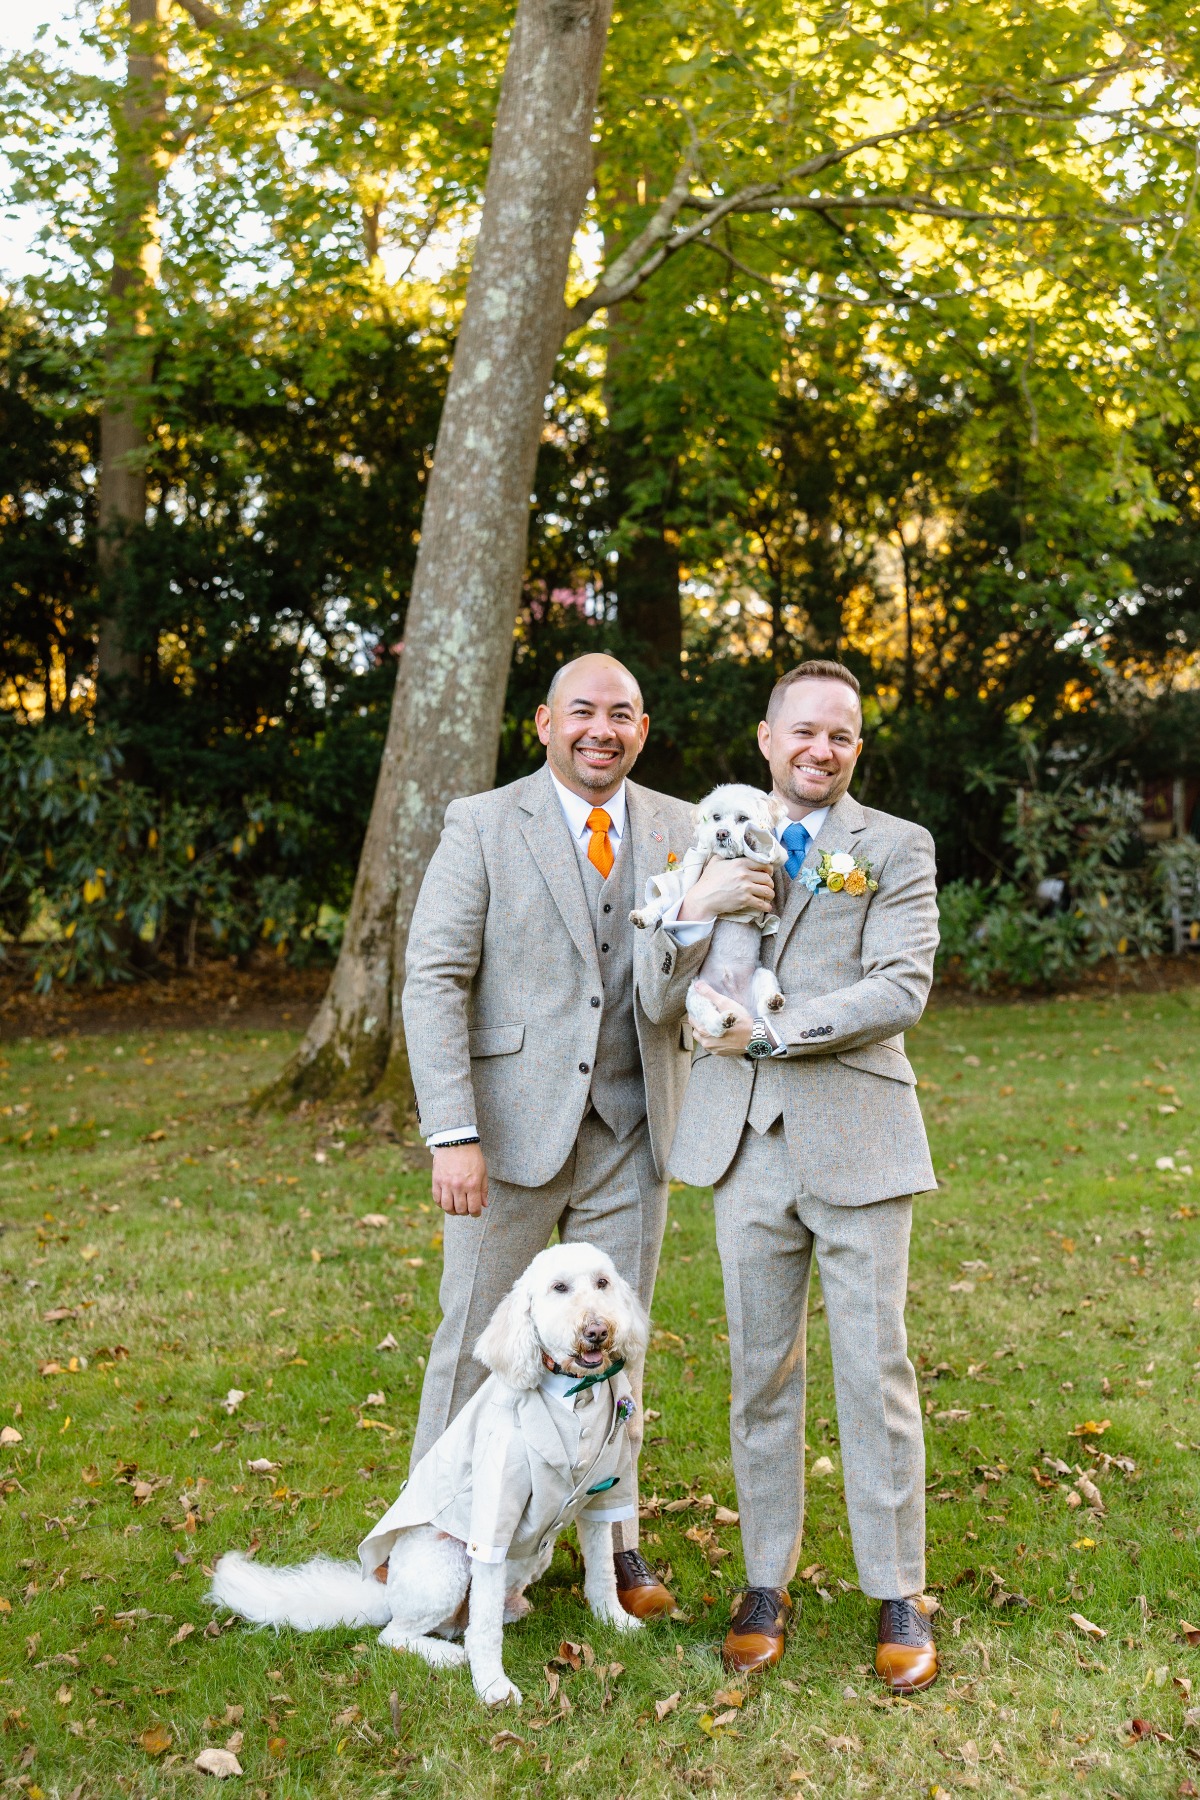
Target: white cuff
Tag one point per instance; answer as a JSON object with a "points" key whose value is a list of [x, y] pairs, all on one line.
{"points": [[487, 1553], [686, 931], [448, 1137], [612, 1515]]}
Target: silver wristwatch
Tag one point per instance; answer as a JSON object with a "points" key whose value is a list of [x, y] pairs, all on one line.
{"points": [[760, 1044]]}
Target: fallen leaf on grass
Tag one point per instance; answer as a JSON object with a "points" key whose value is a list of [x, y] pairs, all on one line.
{"points": [[710, 1723], [954, 1415], [850, 1744], [663, 1707], [725, 1515], [1191, 1633], [374, 1221], [1086, 1626], [184, 1632], [1138, 1730], [155, 1740], [220, 1763], [262, 1465], [233, 1400], [729, 1697], [388, 1343], [503, 1739], [234, 1742], [1090, 1428], [822, 1466], [1091, 1493], [10, 1435], [277, 1746]]}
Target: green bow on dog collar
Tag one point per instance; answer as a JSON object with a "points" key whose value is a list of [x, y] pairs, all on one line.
{"points": [[591, 1380]]}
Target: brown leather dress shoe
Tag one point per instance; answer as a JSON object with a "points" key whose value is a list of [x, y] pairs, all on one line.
{"points": [[756, 1633], [906, 1656], [638, 1588]]}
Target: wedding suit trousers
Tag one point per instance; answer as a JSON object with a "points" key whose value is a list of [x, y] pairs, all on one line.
{"points": [[608, 1194], [768, 1230]]}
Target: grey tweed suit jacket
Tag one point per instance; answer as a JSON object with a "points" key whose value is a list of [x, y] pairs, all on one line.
{"points": [[502, 973], [856, 973]]}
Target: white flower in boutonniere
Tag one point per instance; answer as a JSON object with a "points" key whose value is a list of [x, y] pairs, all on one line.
{"points": [[839, 872]]}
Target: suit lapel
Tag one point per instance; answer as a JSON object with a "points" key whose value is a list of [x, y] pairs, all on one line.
{"points": [[846, 819], [647, 837], [545, 830], [537, 1428]]}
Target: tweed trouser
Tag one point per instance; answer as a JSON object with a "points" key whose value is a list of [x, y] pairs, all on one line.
{"points": [[768, 1230], [607, 1194]]}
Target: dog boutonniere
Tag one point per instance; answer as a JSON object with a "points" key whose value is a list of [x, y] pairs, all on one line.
{"points": [[626, 1407], [839, 872]]}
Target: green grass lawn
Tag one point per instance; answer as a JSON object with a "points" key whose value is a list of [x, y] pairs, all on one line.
{"points": [[160, 1247]]}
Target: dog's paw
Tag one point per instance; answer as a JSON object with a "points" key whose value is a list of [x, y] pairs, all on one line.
{"points": [[501, 1692], [516, 1606], [638, 919], [728, 1021], [618, 1618], [775, 1003]]}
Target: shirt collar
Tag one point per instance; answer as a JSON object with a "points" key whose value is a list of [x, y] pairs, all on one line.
{"points": [[556, 1387], [812, 822], [576, 810]]}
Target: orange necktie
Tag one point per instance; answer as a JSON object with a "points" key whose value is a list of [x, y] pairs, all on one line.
{"points": [[600, 848]]}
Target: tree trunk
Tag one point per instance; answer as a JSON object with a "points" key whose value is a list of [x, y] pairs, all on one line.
{"points": [[139, 134], [444, 731]]}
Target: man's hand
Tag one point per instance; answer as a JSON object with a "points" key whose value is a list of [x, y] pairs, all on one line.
{"points": [[460, 1183], [740, 1032], [728, 885]]}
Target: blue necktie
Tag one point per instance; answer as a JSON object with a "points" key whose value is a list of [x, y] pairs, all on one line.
{"points": [[796, 841]]}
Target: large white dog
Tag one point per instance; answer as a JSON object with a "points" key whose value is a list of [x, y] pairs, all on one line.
{"points": [[541, 1445], [734, 820]]}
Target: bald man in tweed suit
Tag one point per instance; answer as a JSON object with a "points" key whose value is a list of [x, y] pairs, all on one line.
{"points": [[546, 1094], [809, 1127]]}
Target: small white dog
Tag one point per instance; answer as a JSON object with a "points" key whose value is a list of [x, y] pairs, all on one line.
{"points": [[541, 1445], [733, 820]]}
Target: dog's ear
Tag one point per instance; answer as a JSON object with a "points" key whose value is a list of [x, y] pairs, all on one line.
{"points": [[509, 1345], [635, 1330], [777, 811]]}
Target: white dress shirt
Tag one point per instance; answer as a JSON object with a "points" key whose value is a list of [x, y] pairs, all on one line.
{"points": [[576, 811], [692, 931]]}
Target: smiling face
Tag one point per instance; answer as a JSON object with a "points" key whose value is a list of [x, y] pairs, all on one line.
{"points": [[583, 1313], [594, 727], [813, 743]]}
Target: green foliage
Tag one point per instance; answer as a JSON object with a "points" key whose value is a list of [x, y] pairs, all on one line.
{"points": [[108, 877], [1086, 891]]}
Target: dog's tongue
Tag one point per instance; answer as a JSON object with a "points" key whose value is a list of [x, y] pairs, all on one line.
{"points": [[591, 1359]]}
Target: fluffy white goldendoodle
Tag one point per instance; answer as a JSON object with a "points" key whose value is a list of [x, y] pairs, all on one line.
{"points": [[541, 1445], [734, 820]]}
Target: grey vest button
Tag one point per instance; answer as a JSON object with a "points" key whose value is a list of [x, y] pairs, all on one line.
{"points": [[584, 1069], [595, 999]]}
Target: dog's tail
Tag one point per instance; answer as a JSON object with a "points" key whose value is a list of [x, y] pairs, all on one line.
{"points": [[309, 1596]]}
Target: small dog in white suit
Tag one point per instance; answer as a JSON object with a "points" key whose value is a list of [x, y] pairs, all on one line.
{"points": [[540, 1446], [734, 820]]}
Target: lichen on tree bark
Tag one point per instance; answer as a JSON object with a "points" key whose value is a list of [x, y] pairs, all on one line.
{"points": [[446, 711]]}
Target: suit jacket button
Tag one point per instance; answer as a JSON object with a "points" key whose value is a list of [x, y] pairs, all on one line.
{"points": [[666, 965], [595, 999], [584, 1069], [604, 946], [607, 907]]}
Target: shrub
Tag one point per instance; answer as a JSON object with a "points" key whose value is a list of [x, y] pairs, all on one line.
{"points": [[105, 876]]}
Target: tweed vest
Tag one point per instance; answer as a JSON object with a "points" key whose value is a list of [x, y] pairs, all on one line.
{"points": [[618, 1090]]}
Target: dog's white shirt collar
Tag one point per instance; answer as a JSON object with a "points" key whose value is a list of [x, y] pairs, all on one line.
{"points": [[578, 811], [556, 1388]]}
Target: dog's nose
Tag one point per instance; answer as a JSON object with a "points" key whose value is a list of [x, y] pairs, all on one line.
{"points": [[595, 1333], [722, 836]]}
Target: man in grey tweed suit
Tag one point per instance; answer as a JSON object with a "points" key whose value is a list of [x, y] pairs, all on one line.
{"points": [[809, 1127], [546, 1094]]}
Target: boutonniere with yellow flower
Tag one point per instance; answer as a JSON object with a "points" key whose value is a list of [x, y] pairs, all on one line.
{"points": [[837, 872]]}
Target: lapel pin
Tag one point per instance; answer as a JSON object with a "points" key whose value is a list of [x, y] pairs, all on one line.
{"points": [[656, 837]]}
